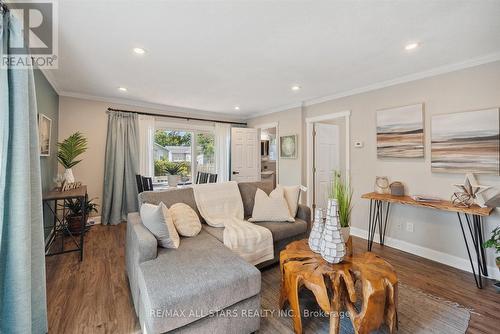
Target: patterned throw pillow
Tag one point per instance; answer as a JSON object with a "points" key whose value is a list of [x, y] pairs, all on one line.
{"points": [[186, 221], [158, 221], [271, 208]]}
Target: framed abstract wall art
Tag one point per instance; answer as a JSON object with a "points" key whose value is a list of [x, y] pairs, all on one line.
{"points": [[466, 142], [400, 132], [288, 147]]}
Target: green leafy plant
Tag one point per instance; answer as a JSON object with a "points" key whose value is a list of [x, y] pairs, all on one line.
{"points": [[494, 242], [70, 149], [75, 206], [343, 194], [173, 168]]}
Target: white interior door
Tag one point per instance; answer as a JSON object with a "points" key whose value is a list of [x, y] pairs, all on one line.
{"points": [[245, 155], [326, 159]]}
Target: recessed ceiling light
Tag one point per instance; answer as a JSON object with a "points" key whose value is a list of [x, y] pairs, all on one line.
{"points": [[295, 88], [139, 51], [411, 46], [122, 89], [236, 107]]}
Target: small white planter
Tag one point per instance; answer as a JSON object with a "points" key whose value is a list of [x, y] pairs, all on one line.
{"points": [[173, 180], [68, 176], [346, 232]]}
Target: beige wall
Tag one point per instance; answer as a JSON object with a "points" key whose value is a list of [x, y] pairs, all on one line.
{"points": [[437, 234], [90, 118]]}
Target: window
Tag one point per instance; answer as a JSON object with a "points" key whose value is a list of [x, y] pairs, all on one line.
{"points": [[205, 152], [193, 149]]}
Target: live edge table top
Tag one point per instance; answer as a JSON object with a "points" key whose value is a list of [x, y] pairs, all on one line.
{"points": [[72, 193], [441, 205]]}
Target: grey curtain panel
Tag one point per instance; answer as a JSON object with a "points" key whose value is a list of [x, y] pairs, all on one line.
{"points": [[121, 166], [22, 255]]}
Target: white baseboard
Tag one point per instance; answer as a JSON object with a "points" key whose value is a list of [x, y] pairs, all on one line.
{"points": [[431, 254]]}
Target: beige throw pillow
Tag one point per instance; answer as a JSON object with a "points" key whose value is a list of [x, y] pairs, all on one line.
{"points": [[186, 221], [292, 196], [270, 208], [158, 220]]}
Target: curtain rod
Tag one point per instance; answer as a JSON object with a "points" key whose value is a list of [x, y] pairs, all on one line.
{"points": [[178, 117]]}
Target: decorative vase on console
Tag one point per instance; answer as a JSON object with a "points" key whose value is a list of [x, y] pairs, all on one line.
{"points": [[316, 231], [68, 152], [332, 246]]}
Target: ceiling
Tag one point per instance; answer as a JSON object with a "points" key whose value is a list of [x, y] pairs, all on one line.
{"points": [[215, 55]]}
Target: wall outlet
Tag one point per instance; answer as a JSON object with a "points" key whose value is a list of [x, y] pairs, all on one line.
{"points": [[409, 227], [399, 226]]}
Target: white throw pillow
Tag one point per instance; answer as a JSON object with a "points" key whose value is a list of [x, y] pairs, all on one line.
{"points": [[292, 197], [158, 220], [270, 208], [186, 221]]}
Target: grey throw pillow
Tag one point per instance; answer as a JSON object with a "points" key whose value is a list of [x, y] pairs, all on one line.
{"points": [[158, 220]]}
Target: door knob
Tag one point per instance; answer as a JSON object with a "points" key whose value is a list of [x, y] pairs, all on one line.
{"points": [[235, 172]]}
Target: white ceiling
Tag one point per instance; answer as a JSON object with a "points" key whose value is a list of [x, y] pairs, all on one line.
{"points": [[213, 55]]}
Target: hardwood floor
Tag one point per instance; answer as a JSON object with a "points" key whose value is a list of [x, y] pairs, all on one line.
{"points": [[93, 296]]}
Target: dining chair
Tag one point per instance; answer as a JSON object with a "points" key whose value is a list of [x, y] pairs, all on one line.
{"points": [[140, 185]]}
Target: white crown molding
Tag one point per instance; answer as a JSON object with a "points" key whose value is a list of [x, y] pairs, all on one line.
{"points": [[490, 58], [428, 253], [50, 78], [160, 107]]}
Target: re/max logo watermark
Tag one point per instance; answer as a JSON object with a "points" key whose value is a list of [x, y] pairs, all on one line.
{"points": [[33, 35]]}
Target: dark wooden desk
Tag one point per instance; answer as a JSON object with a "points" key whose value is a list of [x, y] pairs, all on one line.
{"points": [[60, 226], [473, 216]]}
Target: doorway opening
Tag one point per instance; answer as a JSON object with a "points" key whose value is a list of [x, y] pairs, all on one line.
{"points": [[268, 158], [328, 150]]}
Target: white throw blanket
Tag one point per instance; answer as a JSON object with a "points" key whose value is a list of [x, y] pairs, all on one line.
{"points": [[220, 204]]}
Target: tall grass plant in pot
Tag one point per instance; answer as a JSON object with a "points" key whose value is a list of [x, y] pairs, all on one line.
{"points": [[341, 191]]}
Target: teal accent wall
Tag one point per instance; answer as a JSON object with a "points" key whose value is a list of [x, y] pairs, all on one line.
{"points": [[48, 104]]}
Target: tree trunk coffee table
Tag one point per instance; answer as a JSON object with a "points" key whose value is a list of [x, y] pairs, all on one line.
{"points": [[333, 287]]}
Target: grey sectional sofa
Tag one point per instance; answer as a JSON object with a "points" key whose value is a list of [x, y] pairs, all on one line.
{"points": [[201, 287]]}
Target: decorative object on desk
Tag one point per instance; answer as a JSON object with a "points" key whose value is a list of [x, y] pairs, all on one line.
{"points": [[75, 215], [382, 185], [288, 147], [342, 192], [58, 181], [70, 185], [466, 142], [332, 246], [471, 193], [400, 132], [44, 133], [173, 170], [397, 188], [68, 151], [316, 231]]}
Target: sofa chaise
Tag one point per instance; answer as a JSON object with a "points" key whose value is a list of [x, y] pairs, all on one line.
{"points": [[202, 286]]}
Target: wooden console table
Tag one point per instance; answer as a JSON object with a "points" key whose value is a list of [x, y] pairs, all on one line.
{"points": [[473, 216], [333, 286], [60, 226]]}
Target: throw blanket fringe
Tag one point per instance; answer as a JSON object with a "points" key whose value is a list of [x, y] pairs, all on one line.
{"points": [[220, 204]]}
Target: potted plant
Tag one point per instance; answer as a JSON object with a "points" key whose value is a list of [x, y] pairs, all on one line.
{"points": [[173, 170], [343, 194], [494, 242], [68, 151], [75, 213]]}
